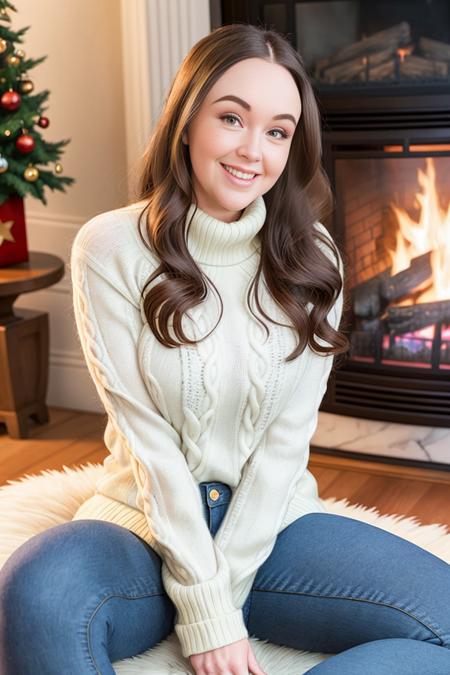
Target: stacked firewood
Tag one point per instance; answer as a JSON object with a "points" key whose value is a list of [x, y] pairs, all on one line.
{"points": [[372, 300], [386, 55]]}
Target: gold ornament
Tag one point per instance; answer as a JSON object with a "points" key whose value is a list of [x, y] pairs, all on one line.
{"points": [[4, 14], [20, 53], [31, 174], [5, 231], [58, 168], [3, 164], [7, 132], [3, 46], [12, 60], [26, 86]]}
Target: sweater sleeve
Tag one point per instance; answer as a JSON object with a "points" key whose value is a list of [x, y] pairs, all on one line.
{"points": [[195, 571], [254, 518]]}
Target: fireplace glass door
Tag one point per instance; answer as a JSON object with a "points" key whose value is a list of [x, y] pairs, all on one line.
{"points": [[368, 43], [396, 216]]}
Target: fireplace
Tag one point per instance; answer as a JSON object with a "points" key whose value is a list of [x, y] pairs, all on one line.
{"points": [[356, 43], [392, 221], [381, 71], [384, 93], [381, 74], [398, 247]]}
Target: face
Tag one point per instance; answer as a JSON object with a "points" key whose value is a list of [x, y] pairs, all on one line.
{"points": [[251, 133]]}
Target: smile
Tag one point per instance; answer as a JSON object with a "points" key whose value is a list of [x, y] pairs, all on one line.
{"points": [[239, 177]]}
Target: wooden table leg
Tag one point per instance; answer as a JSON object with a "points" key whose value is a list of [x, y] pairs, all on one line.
{"points": [[24, 348]]}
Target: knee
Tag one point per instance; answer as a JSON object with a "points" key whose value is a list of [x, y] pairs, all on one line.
{"points": [[39, 576], [68, 567], [347, 528], [384, 657]]}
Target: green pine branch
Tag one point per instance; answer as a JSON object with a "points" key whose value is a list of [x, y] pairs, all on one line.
{"points": [[13, 36], [24, 120]]}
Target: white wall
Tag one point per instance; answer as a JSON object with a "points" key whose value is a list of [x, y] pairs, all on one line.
{"points": [[83, 70], [104, 91]]}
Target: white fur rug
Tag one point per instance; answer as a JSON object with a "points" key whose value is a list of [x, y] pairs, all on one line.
{"points": [[35, 503]]}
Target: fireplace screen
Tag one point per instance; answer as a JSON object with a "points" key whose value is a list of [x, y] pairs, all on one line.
{"points": [[370, 43], [396, 215]]}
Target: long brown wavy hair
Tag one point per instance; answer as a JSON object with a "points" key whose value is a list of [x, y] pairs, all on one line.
{"points": [[294, 267]]}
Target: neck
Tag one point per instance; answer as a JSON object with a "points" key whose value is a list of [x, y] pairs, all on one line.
{"points": [[216, 242]]}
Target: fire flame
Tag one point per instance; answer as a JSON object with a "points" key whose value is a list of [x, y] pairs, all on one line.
{"points": [[403, 52], [430, 233]]}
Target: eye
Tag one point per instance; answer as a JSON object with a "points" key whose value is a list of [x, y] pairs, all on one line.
{"points": [[282, 132], [232, 117]]}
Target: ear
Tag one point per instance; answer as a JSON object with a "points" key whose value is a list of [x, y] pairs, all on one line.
{"points": [[184, 138]]}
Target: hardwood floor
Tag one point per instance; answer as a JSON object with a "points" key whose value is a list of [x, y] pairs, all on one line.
{"points": [[73, 438]]}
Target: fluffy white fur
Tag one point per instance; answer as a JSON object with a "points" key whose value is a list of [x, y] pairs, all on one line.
{"points": [[35, 503]]}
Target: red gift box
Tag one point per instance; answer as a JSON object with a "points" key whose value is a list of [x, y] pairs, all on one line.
{"points": [[13, 233]]}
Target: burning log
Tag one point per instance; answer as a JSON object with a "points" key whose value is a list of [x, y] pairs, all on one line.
{"points": [[358, 68], [414, 317], [391, 38], [385, 71], [417, 66], [433, 49], [366, 297], [407, 281], [371, 297]]}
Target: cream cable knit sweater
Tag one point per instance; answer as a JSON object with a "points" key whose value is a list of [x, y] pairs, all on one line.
{"points": [[227, 409]]}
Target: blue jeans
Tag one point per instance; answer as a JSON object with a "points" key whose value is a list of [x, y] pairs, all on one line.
{"points": [[84, 594]]}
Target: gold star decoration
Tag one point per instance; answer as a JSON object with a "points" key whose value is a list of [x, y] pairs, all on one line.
{"points": [[5, 231]]}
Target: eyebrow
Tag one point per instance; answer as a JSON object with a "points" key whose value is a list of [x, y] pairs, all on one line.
{"points": [[244, 104]]}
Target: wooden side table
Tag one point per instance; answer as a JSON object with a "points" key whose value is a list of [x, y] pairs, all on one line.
{"points": [[24, 343]]}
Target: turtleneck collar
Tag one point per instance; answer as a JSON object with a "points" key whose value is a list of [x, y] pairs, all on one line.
{"points": [[215, 242]]}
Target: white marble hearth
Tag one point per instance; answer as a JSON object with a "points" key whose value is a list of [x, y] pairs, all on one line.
{"points": [[388, 439]]}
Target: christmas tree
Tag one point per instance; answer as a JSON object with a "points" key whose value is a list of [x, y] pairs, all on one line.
{"points": [[22, 147]]}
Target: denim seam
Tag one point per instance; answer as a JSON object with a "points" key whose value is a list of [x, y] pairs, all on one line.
{"points": [[97, 609], [346, 597]]}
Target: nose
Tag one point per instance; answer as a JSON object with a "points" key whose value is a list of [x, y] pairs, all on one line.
{"points": [[250, 147]]}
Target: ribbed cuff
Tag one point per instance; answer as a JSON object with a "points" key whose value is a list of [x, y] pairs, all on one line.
{"points": [[206, 616], [196, 638]]}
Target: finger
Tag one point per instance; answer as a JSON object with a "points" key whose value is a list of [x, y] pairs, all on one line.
{"points": [[253, 664], [256, 671]]}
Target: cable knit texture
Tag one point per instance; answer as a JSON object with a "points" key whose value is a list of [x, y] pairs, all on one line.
{"points": [[227, 409]]}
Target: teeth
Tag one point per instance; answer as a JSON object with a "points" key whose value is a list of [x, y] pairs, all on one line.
{"points": [[239, 174]]}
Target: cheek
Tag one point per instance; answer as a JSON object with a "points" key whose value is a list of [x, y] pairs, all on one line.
{"points": [[278, 161], [208, 145]]}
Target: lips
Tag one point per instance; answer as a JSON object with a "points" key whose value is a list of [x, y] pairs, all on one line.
{"points": [[238, 168], [238, 182]]}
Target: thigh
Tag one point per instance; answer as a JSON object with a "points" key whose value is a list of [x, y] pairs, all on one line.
{"points": [[333, 582], [79, 596], [386, 657]]}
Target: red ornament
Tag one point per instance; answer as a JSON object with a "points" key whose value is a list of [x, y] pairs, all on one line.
{"points": [[10, 100], [43, 122], [25, 143]]}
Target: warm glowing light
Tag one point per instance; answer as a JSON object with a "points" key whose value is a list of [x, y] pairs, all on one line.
{"points": [[403, 52], [430, 233]]}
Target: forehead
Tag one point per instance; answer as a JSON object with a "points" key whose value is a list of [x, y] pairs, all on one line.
{"points": [[260, 83]]}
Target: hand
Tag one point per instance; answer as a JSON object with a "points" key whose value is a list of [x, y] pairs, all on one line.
{"points": [[236, 658]]}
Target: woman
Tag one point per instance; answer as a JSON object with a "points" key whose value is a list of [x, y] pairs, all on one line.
{"points": [[207, 521]]}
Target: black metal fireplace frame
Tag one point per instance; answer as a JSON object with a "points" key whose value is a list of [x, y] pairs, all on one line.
{"points": [[355, 126]]}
